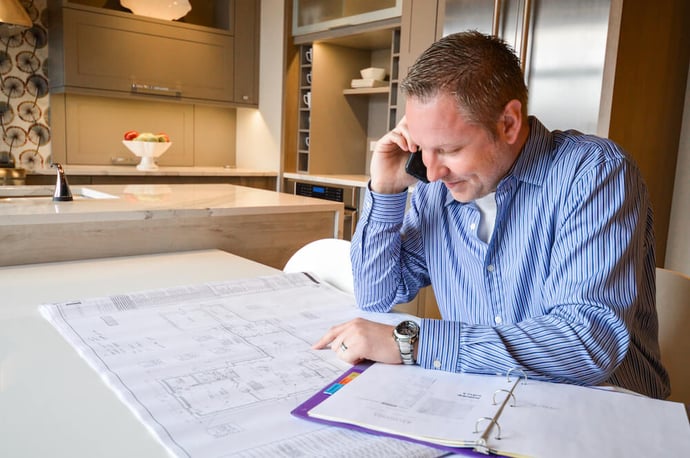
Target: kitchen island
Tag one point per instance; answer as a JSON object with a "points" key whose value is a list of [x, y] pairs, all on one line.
{"points": [[121, 220]]}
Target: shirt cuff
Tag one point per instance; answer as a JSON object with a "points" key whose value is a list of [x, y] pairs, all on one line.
{"points": [[439, 345], [385, 208]]}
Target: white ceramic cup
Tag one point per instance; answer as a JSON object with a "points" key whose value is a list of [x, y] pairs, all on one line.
{"points": [[307, 99], [306, 141], [307, 55], [309, 78]]}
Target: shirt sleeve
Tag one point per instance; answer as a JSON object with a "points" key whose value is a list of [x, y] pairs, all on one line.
{"points": [[387, 272]]}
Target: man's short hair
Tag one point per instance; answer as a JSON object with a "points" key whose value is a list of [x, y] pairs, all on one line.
{"points": [[481, 71]]}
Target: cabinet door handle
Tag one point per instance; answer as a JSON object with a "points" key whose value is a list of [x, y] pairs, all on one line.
{"points": [[141, 88], [526, 15], [525, 34], [496, 20]]}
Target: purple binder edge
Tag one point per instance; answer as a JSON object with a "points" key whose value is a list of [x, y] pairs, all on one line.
{"points": [[302, 411]]}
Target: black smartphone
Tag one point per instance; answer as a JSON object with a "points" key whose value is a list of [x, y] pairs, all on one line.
{"points": [[416, 167]]}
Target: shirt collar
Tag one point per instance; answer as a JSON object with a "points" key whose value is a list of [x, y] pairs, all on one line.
{"points": [[534, 161]]}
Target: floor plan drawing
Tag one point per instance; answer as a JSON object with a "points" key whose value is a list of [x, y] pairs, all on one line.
{"points": [[214, 370]]}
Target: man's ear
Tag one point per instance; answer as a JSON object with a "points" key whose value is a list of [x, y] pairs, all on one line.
{"points": [[511, 122]]}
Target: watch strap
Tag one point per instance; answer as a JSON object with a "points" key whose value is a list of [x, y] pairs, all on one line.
{"points": [[407, 352]]}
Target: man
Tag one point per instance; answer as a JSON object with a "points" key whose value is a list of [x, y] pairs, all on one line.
{"points": [[539, 245]]}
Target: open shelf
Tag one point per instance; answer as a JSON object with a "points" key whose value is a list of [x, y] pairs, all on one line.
{"points": [[367, 90], [345, 119]]}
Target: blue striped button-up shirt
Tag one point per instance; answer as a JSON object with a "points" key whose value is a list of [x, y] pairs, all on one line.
{"points": [[564, 289]]}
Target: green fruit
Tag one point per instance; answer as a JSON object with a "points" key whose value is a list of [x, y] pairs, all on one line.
{"points": [[147, 137]]}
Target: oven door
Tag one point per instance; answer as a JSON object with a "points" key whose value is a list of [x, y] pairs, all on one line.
{"points": [[348, 195]]}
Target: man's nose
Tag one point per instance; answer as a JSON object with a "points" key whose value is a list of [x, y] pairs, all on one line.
{"points": [[435, 169]]}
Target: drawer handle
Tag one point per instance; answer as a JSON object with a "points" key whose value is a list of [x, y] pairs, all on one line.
{"points": [[140, 88]]}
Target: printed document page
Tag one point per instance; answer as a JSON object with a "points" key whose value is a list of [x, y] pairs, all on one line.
{"points": [[214, 370], [541, 419], [433, 406]]}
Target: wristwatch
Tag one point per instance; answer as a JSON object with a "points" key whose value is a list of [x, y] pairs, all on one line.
{"points": [[406, 334]]}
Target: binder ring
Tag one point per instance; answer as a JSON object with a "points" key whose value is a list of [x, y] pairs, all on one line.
{"points": [[491, 421], [510, 395], [515, 369]]}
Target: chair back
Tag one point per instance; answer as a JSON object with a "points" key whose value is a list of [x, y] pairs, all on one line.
{"points": [[673, 308], [329, 259]]}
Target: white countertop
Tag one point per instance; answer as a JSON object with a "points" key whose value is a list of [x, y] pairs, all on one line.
{"points": [[131, 170], [51, 402], [54, 404], [150, 201]]}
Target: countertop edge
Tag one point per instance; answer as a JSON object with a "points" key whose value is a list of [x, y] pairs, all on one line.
{"points": [[358, 181], [131, 170]]}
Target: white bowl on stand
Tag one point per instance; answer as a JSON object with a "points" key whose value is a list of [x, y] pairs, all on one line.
{"points": [[147, 151]]}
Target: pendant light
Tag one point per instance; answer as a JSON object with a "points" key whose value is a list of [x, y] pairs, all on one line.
{"points": [[13, 18]]}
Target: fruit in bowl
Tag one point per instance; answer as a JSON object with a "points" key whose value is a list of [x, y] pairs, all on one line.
{"points": [[133, 135], [147, 146]]}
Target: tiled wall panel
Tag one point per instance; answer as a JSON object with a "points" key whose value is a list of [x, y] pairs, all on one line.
{"points": [[24, 100]]}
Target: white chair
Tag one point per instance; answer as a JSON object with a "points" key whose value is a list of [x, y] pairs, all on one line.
{"points": [[329, 259], [673, 308]]}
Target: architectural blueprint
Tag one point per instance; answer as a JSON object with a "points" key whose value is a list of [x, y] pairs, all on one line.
{"points": [[214, 370]]}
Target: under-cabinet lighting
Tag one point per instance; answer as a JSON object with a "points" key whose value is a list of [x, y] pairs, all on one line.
{"points": [[160, 9]]}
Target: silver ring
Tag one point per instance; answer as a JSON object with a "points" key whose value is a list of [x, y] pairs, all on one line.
{"points": [[343, 347]]}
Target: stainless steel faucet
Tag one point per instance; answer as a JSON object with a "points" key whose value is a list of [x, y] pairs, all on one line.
{"points": [[62, 191]]}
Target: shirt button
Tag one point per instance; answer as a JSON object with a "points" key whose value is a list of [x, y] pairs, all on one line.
{"points": [[490, 268], [437, 364], [498, 320]]}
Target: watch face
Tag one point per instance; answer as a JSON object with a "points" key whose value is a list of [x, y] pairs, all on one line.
{"points": [[407, 328]]}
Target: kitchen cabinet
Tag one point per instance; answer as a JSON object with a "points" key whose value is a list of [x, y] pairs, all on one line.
{"points": [[601, 66], [246, 52], [311, 16], [335, 123], [213, 60], [87, 130]]}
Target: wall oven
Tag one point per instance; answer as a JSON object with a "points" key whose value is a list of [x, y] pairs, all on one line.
{"points": [[348, 195]]}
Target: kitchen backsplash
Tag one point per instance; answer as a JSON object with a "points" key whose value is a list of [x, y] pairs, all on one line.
{"points": [[24, 101]]}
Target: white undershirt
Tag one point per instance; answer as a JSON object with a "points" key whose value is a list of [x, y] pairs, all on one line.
{"points": [[487, 220]]}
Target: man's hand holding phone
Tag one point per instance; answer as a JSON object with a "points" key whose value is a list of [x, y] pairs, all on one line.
{"points": [[389, 159]]}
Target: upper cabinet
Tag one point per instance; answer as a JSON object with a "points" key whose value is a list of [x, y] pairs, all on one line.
{"points": [[246, 52], [311, 16], [208, 56]]}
